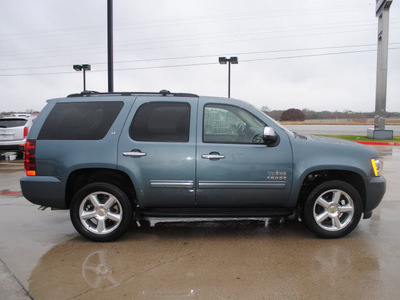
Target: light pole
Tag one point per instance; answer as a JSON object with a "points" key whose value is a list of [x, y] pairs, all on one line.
{"points": [[85, 67], [231, 60]]}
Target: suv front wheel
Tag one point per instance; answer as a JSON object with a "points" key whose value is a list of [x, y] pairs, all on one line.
{"points": [[333, 209], [101, 212]]}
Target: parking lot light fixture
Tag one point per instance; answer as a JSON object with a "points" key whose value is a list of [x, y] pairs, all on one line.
{"points": [[222, 60], [84, 67], [232, 60]]}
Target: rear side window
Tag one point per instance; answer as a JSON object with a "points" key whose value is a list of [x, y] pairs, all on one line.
{"points": [[161, 122], [7, 123], [80, 120]]}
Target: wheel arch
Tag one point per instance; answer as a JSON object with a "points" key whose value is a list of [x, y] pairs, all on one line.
{"points": [[82, 177], [315, 178]]}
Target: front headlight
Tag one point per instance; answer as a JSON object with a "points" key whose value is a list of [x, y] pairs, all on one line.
{"points": [[377, 165]]}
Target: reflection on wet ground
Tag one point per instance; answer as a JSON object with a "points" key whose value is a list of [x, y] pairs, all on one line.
{"points": [[210, 260], [225, 261]]}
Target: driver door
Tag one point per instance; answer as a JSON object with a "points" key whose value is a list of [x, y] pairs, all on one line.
{"points": [[235, 168]]}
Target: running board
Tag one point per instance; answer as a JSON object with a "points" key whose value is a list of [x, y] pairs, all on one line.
{"points": [[206, 213]]}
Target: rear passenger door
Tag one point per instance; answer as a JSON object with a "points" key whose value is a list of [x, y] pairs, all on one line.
{"points": [[157, 150]]}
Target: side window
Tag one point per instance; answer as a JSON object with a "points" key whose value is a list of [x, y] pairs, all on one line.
{"points": [[80, 120], [161, 122], [231, 124]]}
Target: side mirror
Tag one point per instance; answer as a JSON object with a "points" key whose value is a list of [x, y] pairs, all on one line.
{"points": [[270, 137]]}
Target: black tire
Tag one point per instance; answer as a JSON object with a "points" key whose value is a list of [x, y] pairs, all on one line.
{"points": [[332, 209], [101, 212]]}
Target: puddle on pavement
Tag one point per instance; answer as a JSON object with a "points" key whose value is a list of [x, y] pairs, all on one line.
{"points": [[222, 261]]}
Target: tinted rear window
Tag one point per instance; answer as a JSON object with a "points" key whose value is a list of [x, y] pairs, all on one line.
{"points": [[80, 120], [161, 122], [6, 123]]}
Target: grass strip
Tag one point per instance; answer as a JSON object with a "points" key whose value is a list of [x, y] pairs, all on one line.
{"points": [[360, 138]]}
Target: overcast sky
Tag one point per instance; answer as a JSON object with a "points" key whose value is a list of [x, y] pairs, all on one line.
{"points": [[319, 55]]}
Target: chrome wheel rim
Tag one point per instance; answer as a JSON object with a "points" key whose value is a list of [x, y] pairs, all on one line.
{"points": [[333, 210], [100, 213]]}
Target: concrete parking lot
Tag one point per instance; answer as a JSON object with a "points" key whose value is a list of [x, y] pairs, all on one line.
{"points": [[42, 257]]}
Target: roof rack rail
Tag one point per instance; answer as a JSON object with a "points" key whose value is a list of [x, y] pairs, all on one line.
{"points": [[162, 92], [83, 94]]}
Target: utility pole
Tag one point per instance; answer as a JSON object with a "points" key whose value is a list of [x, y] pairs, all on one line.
{"points": [[110, 46], [379, 132]]}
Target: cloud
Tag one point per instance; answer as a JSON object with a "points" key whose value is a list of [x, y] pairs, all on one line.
{"points": [[305, 54]]}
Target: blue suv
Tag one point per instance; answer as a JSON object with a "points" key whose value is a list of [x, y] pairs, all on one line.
{"points": [[111, 158]]}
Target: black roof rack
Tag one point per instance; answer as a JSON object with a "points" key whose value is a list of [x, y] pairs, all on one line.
{"points": [[162, 92], [83, 94]]}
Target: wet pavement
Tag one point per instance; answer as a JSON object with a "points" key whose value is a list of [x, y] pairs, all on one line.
{"points": [[42, 254]]}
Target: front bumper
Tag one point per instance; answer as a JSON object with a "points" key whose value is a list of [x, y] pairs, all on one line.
{"points": [[375, 190]]}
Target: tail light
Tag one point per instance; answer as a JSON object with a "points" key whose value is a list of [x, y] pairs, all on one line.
{"points": [[26, 130], [29, 157]]}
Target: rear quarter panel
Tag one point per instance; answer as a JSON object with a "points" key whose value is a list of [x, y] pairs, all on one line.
{"points": [[57, 159]]}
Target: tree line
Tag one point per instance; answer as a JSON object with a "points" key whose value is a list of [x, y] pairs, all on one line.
{"points": [[10, 113]]}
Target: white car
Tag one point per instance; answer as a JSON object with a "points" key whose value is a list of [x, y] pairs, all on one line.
{"points": [[13, 133]]}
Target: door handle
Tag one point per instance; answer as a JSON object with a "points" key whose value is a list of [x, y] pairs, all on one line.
{"points": [[134, 153], [213, 156]]}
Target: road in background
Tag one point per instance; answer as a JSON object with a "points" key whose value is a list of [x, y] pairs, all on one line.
{"points": [[337, 129]]}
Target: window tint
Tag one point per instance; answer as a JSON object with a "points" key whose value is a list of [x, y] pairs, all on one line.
{"points": [[231, 124], [161, 122], [80, 120], [7, 123]]}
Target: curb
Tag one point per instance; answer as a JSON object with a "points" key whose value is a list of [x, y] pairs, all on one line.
{"points": [[11, 193]]}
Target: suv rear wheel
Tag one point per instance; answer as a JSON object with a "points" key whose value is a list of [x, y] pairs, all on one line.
{"points": [[101, 212], [333, 209]]}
